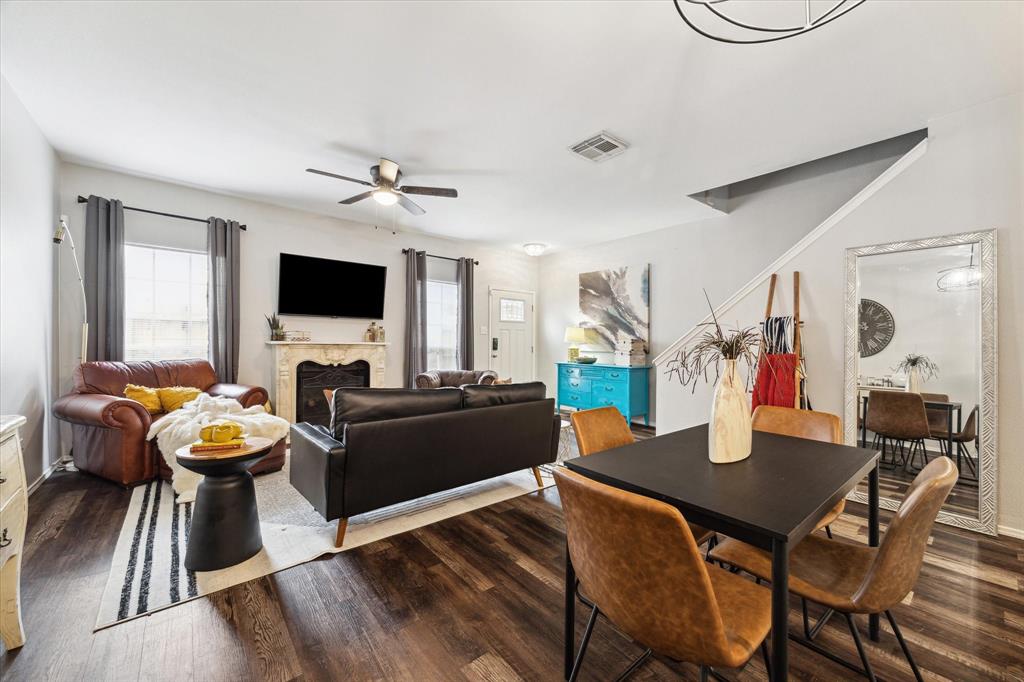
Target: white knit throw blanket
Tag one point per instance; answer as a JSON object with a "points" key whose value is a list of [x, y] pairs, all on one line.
{"points": [[182, 427]]}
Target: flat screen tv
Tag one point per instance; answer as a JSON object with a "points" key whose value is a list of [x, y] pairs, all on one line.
{"points": [[330, 288]]}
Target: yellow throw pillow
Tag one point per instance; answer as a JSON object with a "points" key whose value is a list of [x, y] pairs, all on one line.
{"points": [[173, 397], [145, 395]]}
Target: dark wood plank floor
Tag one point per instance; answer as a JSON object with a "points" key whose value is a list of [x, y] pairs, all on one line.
{"points": [[475, 597]]}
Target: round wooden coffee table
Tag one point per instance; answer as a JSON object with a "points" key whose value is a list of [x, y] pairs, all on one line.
{"points": [[225, 521]]}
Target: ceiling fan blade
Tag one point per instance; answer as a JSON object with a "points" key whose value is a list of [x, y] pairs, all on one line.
{"points": [[358, 197], [410, 205], [389, 171], [430, 191], [339, 177]]}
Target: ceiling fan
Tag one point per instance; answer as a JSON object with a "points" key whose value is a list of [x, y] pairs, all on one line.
{"points": [[384, 179]]}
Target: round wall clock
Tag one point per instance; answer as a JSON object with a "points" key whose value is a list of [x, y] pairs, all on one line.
{"points": [[876, 327]]}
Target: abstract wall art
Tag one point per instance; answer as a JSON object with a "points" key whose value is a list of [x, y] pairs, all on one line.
{"points": [[616, 303]]}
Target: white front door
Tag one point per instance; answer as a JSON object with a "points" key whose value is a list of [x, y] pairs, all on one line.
{"points": [[511, 335]]}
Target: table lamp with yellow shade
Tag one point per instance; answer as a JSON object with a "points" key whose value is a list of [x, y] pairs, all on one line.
{"points": [[575, 336]]}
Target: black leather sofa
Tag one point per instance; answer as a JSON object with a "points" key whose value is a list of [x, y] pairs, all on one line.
{"points": [[390, 445]]}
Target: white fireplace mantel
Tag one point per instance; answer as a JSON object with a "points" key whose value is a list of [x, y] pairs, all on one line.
{"points": [[288, 355]]}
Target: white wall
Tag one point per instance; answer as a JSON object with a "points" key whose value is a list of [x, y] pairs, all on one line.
{"points": [[767, 215], [28, 218], [271, 230], [969, 179]]}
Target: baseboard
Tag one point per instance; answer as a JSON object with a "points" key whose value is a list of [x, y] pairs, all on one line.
{"points": [[43, 476], [1011, 532]]}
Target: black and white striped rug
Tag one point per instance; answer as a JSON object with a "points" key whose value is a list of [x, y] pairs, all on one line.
{"points": [[147, 572]]}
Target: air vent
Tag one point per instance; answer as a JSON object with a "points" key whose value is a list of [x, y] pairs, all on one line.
{"points": [[599, 147]]}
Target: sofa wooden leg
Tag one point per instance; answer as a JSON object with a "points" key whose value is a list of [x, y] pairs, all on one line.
{"points": [[340, 537], [536, 474]]}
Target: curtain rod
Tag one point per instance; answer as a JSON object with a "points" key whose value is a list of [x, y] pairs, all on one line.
{"points": [[83, 200], [475, 262]]}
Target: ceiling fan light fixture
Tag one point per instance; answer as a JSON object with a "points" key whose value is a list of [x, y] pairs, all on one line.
{"points": [[535, 248], [385, 197]]}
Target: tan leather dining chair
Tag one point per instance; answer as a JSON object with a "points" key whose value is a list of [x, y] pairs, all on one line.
{"points": [[898, 416], [788, 421], [600, 429], [854, 579], [604, 428], [641, 566], [969, 433], [936, 417]]}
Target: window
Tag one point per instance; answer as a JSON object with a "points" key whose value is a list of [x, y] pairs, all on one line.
{"points": [[511, 310], [166, 312], [442, 325]]}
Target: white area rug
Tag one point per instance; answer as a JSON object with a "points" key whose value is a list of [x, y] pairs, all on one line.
{"points": [[147, 572]]}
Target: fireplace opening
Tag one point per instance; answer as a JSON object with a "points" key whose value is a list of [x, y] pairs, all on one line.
{"points": [[311, 380]]}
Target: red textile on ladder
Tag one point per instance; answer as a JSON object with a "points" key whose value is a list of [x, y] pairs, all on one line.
{"points": [[776, 381]]}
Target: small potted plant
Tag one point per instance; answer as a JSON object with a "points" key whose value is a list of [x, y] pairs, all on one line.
{"points": [[729, 430], [918, 368], [276, 327]]}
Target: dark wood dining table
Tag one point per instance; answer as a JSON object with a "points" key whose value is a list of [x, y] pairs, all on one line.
{"points": [[770, 500]]}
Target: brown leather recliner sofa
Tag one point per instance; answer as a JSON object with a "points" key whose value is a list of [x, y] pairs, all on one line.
{"points": [[108, 431], [442, 378]]}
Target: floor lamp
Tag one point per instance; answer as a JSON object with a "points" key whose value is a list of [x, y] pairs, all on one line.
{"points": [[63, 231]]}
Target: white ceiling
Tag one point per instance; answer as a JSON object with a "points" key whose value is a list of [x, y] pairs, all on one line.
{"points": [[241, 97]]}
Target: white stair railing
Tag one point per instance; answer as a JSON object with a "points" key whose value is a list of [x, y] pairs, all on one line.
{"points": [[779, 263]]}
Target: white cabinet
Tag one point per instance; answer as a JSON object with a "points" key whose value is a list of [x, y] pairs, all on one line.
{"points": [[13, 518]]}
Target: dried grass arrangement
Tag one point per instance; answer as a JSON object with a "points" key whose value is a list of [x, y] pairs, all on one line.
{"points": [[711, 347], [922, 364]]}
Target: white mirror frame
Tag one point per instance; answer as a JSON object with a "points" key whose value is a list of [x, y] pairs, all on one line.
{"points": [[988, 456]]}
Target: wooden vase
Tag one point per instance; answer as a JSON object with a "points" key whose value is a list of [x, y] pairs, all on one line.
{"points": [[729, 431]]}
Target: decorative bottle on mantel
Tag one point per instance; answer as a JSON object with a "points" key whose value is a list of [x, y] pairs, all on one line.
{"points": [[729, 431]]}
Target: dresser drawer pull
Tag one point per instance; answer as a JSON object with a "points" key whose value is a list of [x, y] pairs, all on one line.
{"points": [[613, 375], [4, 540], [574, 397], [574, 383], [609, 388]]}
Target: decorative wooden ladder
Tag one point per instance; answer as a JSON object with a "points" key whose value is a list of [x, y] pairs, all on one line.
{"points": [[799, 393]]}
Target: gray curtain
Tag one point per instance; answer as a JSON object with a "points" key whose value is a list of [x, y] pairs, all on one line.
{"points": [[223, 242], [415, 315], [465, 280], [104, 277]]}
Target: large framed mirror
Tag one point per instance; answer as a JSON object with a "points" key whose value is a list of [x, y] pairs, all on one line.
{"points": [[921, 367]]}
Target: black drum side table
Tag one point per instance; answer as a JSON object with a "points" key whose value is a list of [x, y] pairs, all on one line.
{"points": [[225, 521]]}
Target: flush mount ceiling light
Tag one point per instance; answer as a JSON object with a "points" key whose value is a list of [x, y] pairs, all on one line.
{"points": [[535, 248], [718, 25]]}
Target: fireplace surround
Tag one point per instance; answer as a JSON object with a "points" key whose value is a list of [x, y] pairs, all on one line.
{"points": [[312, 379], [344, 363]]}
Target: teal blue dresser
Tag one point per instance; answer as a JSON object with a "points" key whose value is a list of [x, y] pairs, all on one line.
{"points": [[586, 386]]}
